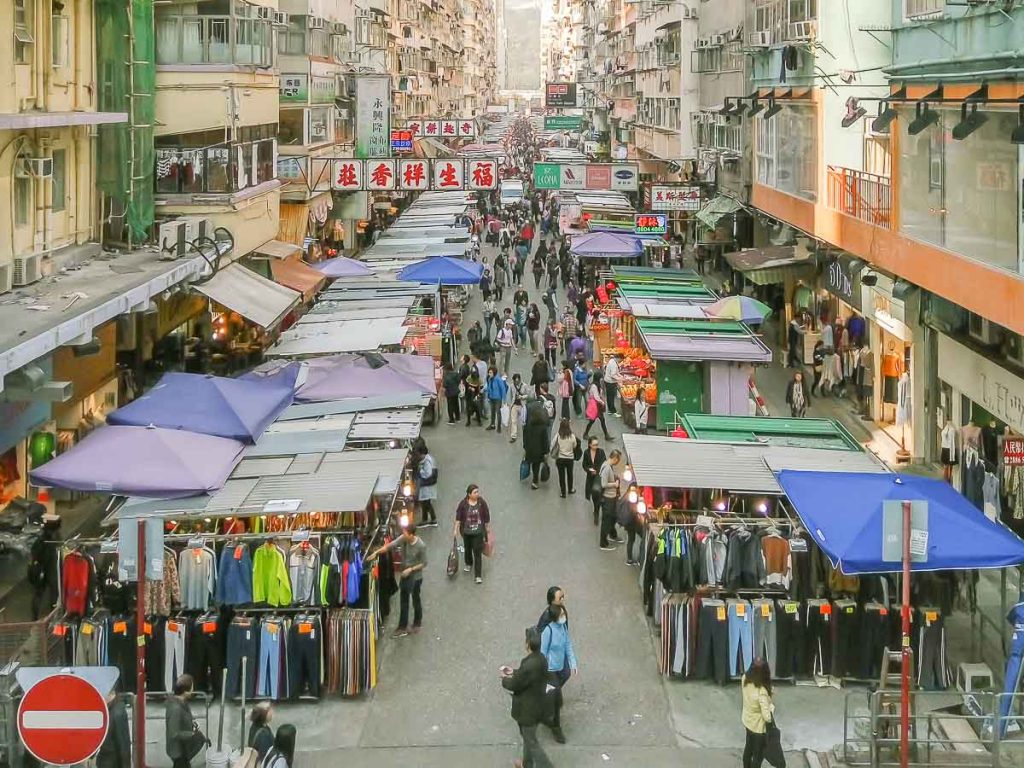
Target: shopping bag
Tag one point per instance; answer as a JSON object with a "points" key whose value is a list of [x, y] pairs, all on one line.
{"points": [[453, 560], [773, 748], [524, 469], [489, 542], [506, 415], [545, 472]]}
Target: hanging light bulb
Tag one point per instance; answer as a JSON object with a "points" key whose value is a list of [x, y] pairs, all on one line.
{"points": [[763, 508], [403, 521], [641, 507], [407, 488], [632, 496], [720, 505], [627, 474]]}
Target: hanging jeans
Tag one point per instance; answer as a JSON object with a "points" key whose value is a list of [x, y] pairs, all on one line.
{"points": [[242, 643], [765, 632], [818, 638], [304, 641], [712, 642], [741, 637], [789, 634], [174, 651], [932, 666], [121, 651], [847, 638], [268, 679]]}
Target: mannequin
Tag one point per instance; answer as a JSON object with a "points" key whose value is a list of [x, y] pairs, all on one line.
{"points": [[949, 453]]}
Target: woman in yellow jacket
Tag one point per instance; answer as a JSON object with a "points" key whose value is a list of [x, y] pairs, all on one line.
{"points": [[758, 712]]}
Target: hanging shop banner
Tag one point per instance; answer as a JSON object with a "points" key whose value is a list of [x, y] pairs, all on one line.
{"points": [[347, 175], [413, 175], [623, 177], [373, 115], [841, 278], [380, 175], [482, 174], [448, 174], [560, 95], [430, 128], [562, 123], [650, 224], [294, 88], [445, 129], [669, 197], [1013, 451], [401, 140]]}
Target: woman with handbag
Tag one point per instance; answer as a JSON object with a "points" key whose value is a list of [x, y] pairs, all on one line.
{"points": [[758, 712], [593, 460], [472, 517], [184, 740], [566, 450], [595, 408]]}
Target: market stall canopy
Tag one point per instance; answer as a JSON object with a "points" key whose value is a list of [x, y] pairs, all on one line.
{"points": [[746, 309], [341, 377], [444, 270], [843, 511], [277, 249], [312, 339], [239, 409], [715, 209], [342, 266], [255, 298], [670, 462], [298, 276], [778, 431], [766, 266], [702, 340], [143, 461], [606, 245]]}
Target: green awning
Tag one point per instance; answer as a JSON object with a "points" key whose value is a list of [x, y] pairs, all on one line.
{"points": [[718, 207]]}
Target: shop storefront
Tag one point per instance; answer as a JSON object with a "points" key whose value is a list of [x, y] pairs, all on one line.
{"points": [[890, 306], [19, 422], [980, 404]]}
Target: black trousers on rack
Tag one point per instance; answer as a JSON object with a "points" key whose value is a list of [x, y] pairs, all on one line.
{"points": [[304, 641], [932, 669], [847, 639], [712, 642], [205, 657], [243, 640], [790, 660], [874, 637], [155, 646], [818, 638], [121, 649]]}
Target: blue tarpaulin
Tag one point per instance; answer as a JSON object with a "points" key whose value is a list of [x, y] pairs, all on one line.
{"points": [[607, 245], [443, 270], [211, 405], [843, 512]]}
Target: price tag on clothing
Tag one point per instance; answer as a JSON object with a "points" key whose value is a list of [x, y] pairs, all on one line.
{"points": [[883, 611], [121, 627], [238, 551], [850, 609], [140, 640], [741, 609], [825, 609], [172, 626], [930, 616], [766, 610], [305, 628], [87, 629], [792, 607], [209, 627], [705, 521], [147, 628], [59, 630], [272, 628], [721, 613], [198, 554]]}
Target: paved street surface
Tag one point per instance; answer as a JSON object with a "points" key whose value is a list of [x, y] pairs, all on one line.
{"points": [[439, 701]]}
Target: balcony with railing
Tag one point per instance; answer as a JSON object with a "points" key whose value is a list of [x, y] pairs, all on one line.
{"points": [[207, 39], [862, 195]]}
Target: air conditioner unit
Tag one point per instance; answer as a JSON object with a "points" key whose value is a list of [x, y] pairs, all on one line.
{"points": [[362, 13], [984, 332], [264, 12], [197, 227], [759, 39], [673, 102], [6, 277], [803, 30], [316, 22], [27, 269], [339, 28], [34, 168], [703, 42], [717, 40], [280, 19], [170, 238]]}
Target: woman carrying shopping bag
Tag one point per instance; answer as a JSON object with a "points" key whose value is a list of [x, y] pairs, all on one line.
{"points": [[758, 712]]}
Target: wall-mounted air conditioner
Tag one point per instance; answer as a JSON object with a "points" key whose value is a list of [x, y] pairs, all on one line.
{"points": [[717, 41], [316, 22], [264, 12], [688, 12], [27, 269], [803, 30], [703, 42], [761, 39], [171, 239], [197, 227], [280, 19]]}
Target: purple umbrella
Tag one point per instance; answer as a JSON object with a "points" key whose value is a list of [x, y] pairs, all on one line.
{"points": [[342, 266], [143, 461], [606, 245], [340, 377]]}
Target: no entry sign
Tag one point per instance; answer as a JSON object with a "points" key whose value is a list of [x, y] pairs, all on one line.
{"points": [[62, 719]]}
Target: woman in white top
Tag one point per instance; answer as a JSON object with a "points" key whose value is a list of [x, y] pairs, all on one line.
{"points": [[640, 409], [564, 449]]}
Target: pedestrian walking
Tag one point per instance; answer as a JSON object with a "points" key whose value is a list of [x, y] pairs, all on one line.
{"points": [[609, 499], [578, 347], [116, 749], [797, 397], [500, 276], [182, 736], [474, 394], [595, 408], [520, 320], [592, 461], [426, 473], [641, 411], [472, 517], [497, 391], [451, 383], [555, 598], [556, 645], [533, 327], [758, 711], [538, 270], [517, 393], [817, 365], [505, 340], [565, 450], [42, 568], [282, 754], [551, 344], [414, 560], [611, 383], [539, 374], [535, 439], [490, 314], [565, 388], [528, 684]]}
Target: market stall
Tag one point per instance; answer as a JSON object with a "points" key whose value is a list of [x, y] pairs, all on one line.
{"points": [[794, 433]]}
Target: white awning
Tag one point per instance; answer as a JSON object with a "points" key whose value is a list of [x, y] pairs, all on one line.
{"points": [[669, 462], [253, 297], [313, 339], [277, 249]]}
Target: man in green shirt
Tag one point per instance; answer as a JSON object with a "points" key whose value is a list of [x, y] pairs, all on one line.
{"points": [[414, 560]]}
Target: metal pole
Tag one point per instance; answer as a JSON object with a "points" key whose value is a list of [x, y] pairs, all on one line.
{"points": [[140, 647], [905, 670]]}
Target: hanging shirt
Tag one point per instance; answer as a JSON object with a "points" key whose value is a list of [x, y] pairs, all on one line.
{"points": [[196, 575], [948, 444], [270, 581], [76, 582], [234, 576], [303, 574], [990, 494]]}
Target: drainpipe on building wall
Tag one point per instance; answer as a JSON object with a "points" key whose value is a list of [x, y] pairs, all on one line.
{"points": [[948, 77], [894, 70], [41, 97]]}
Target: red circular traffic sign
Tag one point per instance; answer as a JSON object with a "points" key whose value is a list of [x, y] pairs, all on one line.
{"points": [[62, 720]]}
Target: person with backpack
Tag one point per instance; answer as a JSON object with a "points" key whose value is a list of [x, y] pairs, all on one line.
{"points": [[472, 517], [565, 450], [556, 645], [282, 754]]}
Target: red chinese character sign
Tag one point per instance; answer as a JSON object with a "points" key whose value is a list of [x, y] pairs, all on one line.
{"points": [[483, 174], [347, 175], [432, 128], [449, 129], [448, 174], [466, 128], [415, 127], [380, 175], [413, 175]]}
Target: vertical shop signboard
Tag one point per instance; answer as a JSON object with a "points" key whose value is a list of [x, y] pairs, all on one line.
{"points": [[1013, 451], [373, 115]]}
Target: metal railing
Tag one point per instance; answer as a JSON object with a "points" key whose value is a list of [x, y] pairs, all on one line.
{"points": [[863, 195], [207, 39]]}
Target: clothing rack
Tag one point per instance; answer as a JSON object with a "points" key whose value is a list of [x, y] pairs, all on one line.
{"points": [[218, 537]]}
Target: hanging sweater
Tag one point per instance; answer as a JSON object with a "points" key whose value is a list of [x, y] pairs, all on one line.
{"points": [[270, 581]]}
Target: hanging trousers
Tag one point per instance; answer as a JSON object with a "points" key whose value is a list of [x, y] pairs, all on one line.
{"points": [[712, 642], [155, 642], [242, 643], [91, 649], [765, 633], [205, 660], [932, 666], [741, 637], [268, 679], [874, 637], [121, 651], [818, 637], [174, 651], [847, 638], [789, 638], [304, 641]]}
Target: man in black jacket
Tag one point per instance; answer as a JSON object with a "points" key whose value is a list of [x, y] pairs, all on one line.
{"points": [[116, 749], [527, 685], [593, 460]]}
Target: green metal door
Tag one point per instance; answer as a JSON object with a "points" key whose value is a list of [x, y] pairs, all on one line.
{"points": [[680, 390]]}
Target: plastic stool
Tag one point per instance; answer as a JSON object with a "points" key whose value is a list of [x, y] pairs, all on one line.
{"points": [[973, 677]]}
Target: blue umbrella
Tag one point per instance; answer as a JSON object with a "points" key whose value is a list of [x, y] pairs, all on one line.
{"points": [[443, 270]]}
